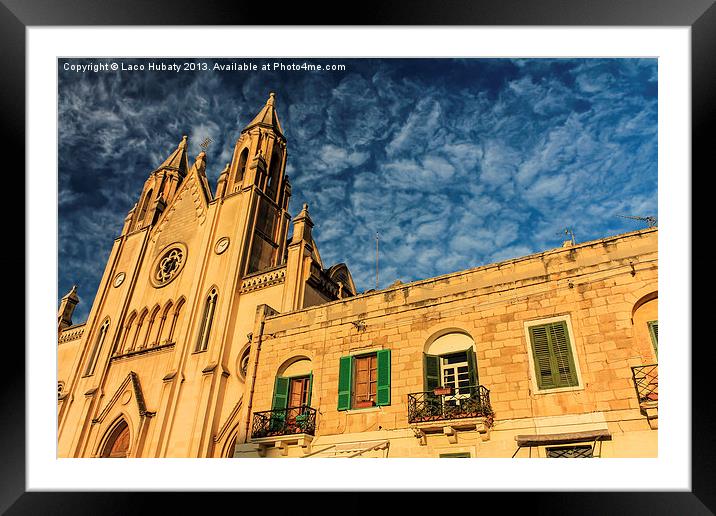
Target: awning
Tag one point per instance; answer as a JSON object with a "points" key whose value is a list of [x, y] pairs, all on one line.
{"points": [[563, 438]]}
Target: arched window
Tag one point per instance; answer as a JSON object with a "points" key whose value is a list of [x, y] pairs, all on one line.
{"points": [[241, 169], [274, 172], [137, 331], [449, 361], [175, 319], [146, 341], [162, 322], [292, 396], [145, 205], [125, 337], [645, 317], [206, 321], [117, 444], [95, 350]]}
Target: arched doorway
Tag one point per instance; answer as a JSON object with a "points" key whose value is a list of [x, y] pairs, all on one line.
{"points": [[117, 445]]}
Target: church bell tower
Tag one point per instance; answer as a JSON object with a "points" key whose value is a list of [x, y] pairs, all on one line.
{"points": [[257, 171]]}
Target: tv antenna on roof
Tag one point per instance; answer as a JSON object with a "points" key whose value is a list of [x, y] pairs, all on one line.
{"points": [[568, 231], [376, 260], [651, 221], [205, 144]]}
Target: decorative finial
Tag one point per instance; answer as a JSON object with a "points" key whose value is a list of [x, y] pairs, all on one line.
{"points": [[305, 206], [272, 99], [72, 294]]}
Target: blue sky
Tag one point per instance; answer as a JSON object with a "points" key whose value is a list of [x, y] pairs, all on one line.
{"points": [[455, 162]]}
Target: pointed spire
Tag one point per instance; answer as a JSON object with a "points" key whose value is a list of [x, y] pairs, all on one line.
{"points": [[72, 294], [67, 307], [302, 225], [178, 159], [221, 183], [200, 163], [267, 117], [199, 167]]}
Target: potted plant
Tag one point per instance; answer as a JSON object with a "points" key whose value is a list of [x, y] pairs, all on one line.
{"points": [[364, 403]]}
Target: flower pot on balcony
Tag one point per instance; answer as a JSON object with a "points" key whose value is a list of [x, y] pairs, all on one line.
{"points": [[365, 404], [442, 391]]}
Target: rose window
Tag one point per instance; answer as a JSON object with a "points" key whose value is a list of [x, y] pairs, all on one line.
{"points": [[244, 365], [169, 266]]}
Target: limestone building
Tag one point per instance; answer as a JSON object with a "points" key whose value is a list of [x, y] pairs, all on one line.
{"points": [[215, 334]]}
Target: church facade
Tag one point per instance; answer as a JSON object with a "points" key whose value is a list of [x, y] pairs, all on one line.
{"points": [[215, 334]]}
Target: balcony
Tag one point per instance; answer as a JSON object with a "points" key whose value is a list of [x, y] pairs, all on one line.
{"points": [[292, 427], [449, 409], [289, 421], [646, 383]]}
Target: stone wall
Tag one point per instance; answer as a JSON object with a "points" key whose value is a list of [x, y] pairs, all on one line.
{"points": [[594, 286]]}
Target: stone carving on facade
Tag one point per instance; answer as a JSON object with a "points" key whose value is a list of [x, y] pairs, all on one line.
{"points": [[266, 279]]}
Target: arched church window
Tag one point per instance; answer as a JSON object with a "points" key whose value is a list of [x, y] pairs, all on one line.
{"points": [[117, 445], [243, 157], [274, 172], [162, 322], [125, 338], [95, 350], [175, 319], [207, 320], [145, 205], [138, 330], [147, 340]]}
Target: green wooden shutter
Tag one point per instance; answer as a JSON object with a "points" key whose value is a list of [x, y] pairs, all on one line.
{"points": [[566, 372], [654, 333], [383, 388], [280, 393], [344, 383], [472, 367], [431, 368], [553, 359], [310, 389], [542, 357], [280, 402]]}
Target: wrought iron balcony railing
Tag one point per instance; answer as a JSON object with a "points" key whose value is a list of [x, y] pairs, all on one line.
{"points": [[646, 382], [458, 403], [292, 420]]}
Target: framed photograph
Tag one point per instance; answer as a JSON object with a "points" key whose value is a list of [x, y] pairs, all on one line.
{"points": [[416, 158]]}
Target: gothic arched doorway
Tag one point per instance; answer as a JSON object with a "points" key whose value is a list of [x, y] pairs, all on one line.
{"points": [[117, 445]]}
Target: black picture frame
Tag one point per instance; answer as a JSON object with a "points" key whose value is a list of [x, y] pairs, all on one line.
{"points": [[17, 15]]}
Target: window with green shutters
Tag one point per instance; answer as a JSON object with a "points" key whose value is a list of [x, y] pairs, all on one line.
{"points": [[457, 455], [364, 379], [654, 334], [285, 397], [553, 357], [452, 369]]}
